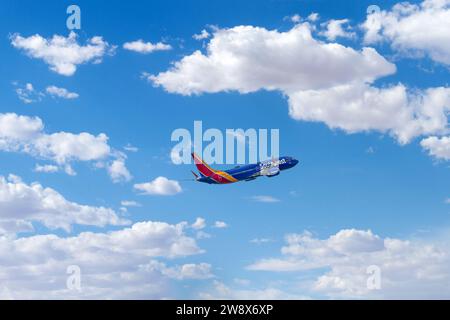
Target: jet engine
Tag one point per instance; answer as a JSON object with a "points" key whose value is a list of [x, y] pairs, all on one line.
{"points": [[270, 172]]}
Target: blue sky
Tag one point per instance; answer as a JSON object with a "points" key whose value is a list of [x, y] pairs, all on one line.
{"points": [[349, 181]]}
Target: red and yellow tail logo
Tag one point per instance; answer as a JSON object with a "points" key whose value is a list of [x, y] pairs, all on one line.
{"points": [[202, 166], [206, 171]]}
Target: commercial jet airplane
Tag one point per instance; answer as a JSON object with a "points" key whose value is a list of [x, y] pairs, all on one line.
{"points": [[269, 168]]}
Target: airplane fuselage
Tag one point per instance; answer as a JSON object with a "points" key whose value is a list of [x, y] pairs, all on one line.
{"points": [[269, 168]]}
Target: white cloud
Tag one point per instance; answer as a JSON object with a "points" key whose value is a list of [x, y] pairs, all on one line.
{"points": [[202, 235], [336, 29], [265, 199], [34, 203], [113, 265], [202, 35], [220, 224], [23, 133], [131, 148], [61, 92], [28, 94], [128, 203], [63, 147], [11, 227], [199, 223], [118, 171], [409, 268], [296, 18], [63, 54], [187, 271], [313, 17], [324, 82], [15, 127], [413, 30], [26, 134], [261, 240], [395, 110], [247, 59], [48, 168], [437, 147], [222, 291], [159, 186], [69, 170], [145, 47]]}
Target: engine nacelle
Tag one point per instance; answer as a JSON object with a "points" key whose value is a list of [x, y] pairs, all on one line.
{"points": [[274, 175], [270, 172]]}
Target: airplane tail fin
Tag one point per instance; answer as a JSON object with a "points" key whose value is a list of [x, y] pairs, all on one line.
{"points": [[202, 166]]}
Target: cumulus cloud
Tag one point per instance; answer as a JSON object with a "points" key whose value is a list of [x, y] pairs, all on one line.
{"points": [[413, 29], [11, 227], [34, 203], [199, 223], [145, 47], [15, 127], [118, 171], [247, 59], [324, 82], [26, 134], [409, 268], [63, 147], [23, 133], [437, 147], [63, 54], [118, 264], [222, 291], [337, 28], [61, 92], [202, 35], [160, 186], [402, 113], [313, 17], [296, 18]]}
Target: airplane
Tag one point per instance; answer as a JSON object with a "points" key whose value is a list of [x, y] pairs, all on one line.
{"points": [[269, 168]]}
